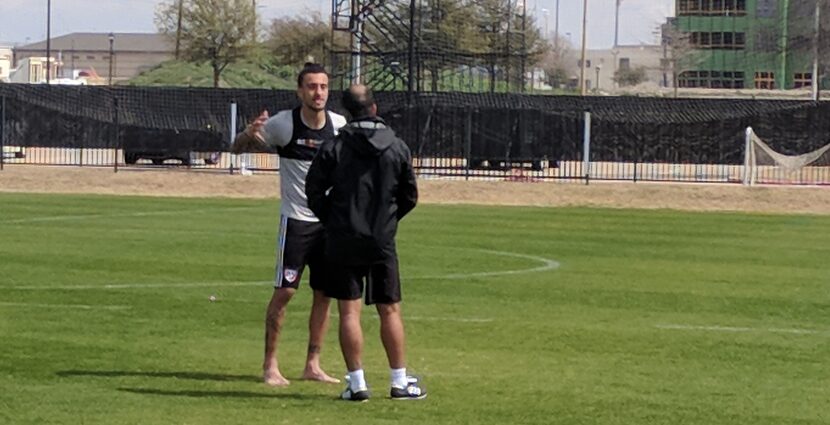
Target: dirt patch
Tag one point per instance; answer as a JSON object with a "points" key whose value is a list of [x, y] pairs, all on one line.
{"points": [[193, 183]]}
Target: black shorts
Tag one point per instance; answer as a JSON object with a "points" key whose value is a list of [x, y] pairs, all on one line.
{"points": [[382, 282], [300, 243]]}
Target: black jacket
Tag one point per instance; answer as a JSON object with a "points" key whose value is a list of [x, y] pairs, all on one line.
{"points": [[359, 186]]}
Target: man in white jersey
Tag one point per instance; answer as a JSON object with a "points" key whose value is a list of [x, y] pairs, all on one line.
{"points": [[296, 135]]}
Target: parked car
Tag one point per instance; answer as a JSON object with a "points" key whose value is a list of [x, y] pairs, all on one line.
{"points": [[13, 152], [159, 145]]}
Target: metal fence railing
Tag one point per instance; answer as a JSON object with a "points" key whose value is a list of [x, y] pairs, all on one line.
{"points": [[451, 135]]}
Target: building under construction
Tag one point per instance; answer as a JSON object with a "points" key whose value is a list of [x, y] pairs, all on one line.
{"points": [[760, 44], [434, 45]]}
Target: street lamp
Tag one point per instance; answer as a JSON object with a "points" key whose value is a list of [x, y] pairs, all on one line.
{"points": [[582, 85], [112, 40], [556, 27], [48, 41]]}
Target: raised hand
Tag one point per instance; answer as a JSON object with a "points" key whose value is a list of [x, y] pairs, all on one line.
{"points": [[255, 128]]}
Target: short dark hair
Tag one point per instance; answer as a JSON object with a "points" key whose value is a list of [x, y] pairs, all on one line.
{"points": [[358, 101], [310, 68]]}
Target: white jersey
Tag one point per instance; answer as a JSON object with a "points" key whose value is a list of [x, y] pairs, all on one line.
{"points": [[297, 143]]}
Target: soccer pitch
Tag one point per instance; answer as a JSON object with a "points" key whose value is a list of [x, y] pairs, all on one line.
{"points": [[513, 315]]}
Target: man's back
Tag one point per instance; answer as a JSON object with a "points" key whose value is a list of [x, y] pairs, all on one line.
{"points": [[372, 186]]}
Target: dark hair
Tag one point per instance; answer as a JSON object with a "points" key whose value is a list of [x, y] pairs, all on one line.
{"points": [[358, 101], [310, 68]]}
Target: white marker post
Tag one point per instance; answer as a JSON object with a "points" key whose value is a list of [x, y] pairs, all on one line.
{"points": [[232, 134], [748, 158], [586, 147]]}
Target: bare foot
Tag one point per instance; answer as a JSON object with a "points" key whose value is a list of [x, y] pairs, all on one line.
{"points": [[320, 376], [274, 378]]}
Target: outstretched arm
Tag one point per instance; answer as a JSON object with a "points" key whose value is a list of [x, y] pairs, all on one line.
{"points": [[252, 139]]}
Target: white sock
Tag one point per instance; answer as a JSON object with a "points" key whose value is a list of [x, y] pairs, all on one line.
{"points": [[356, 380], [398, 377]]}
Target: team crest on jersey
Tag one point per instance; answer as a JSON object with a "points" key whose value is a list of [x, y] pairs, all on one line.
{"points": [[312, 143], [290, 275]]}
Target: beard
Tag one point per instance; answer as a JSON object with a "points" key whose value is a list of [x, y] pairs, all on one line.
{"points": [[312, 104]]}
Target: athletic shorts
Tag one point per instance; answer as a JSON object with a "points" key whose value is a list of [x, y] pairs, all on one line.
{"points": [[381, 282], [300, 243]]}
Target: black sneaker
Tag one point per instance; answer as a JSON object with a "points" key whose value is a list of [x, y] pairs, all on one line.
{"points": [[414, 390], [351, 395]]}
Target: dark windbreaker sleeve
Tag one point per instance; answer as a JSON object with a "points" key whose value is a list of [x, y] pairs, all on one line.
{"points": [[407, 188], [318, 181]]}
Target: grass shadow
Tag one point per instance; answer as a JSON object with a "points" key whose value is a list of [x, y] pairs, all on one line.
{"points": [[197, 376], [225, 394]]}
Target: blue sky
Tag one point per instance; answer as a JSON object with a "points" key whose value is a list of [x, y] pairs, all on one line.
{"points": [[22, 20]]}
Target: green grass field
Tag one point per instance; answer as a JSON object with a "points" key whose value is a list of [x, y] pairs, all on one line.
{"points": [[652, 317]]}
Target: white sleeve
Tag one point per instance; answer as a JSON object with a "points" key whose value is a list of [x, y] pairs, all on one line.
{"points": [[279, 129], [338, 121]]}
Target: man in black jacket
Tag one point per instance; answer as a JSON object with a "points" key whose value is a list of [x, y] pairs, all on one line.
{"points": [[360, 186]]}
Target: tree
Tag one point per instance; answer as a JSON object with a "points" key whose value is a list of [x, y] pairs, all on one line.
{"points": [[506, 40], [559, 62], [679, 53], [219, 32], [628, 76], [299, 39]]}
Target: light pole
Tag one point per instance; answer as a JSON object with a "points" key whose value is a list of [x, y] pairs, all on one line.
{"points": [[253, 34], [617, 25], [179, 28], [112, 40], [48, 40], [582, 85], [556, 27]]}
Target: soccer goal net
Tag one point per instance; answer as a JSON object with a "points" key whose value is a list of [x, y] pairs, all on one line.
{"points": [[763, 165]]}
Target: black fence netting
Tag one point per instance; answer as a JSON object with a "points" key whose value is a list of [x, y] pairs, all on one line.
{"points": [[445, 131]]}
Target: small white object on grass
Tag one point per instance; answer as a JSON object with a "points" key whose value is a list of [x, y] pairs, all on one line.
{"points": [[212, 298]]}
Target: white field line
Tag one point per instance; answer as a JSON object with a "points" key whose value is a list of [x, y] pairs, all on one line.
{"points": [[74, 306], [735, 329], [144, 286], [430, 318], [449, 319], [547, 265], [129, 214]]}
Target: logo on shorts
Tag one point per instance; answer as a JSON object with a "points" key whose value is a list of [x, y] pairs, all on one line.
{"points": [[290, 275]]}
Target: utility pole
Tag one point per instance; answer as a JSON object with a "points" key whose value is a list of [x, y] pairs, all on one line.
{"points": [[556, 28], [816, 80], [785, 34], [179, 28], [253, 32], [582, 83], [617, 25], [111, 37], [48, 40], [524, 44]]}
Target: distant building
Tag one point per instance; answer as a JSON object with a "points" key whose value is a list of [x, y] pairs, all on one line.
{"points": [[32, 70], [606, 62], [747, 44], [133, 53], [5, 61]]}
